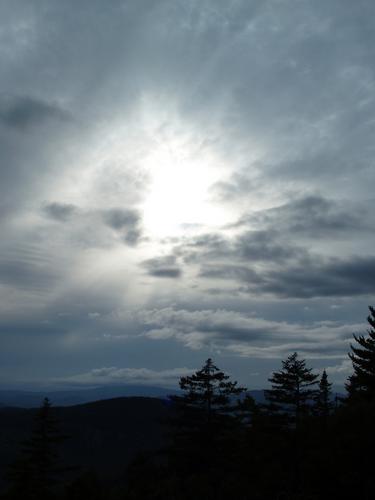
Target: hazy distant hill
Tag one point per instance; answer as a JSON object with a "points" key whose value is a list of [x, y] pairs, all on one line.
{"points": [[30, 399]]}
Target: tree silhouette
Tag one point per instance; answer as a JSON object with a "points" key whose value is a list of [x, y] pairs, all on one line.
{"points": [[34, 474], [292, 390], [205, 414], [208, 390], [361, 384], [323, 400]]}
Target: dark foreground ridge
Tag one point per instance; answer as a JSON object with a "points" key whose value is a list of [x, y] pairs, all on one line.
{"points": [[103, 435]]}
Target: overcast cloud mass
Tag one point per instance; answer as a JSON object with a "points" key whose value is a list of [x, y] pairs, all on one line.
{"points": [[182, 179]]}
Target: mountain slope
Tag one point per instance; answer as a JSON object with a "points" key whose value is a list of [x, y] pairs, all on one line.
{"points": [[104, 435]]}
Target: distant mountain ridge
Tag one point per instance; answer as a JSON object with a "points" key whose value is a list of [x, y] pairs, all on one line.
{"points": [[33, 399]]}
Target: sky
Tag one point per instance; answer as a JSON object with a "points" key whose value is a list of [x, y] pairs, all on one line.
{"points": [[184, 179]]}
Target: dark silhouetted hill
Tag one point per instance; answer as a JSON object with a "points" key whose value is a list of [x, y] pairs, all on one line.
{"points": [[104, 435]]}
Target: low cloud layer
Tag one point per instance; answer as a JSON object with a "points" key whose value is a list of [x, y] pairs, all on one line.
{"points": [[246, 335], [132, 376]]}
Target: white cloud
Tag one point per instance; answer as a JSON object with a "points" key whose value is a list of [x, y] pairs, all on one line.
{"points": [[114, 375], [246, 335]]}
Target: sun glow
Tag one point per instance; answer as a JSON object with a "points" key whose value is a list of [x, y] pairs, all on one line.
{"points": [[179, 197]]}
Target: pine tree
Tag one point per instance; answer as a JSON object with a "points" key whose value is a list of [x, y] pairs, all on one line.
{"points": [[34, 474], [205, 413], [292, 390], [323, 401], [361, 384], [208, 390]]}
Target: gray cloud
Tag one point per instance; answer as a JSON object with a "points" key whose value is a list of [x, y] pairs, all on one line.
{"points": [[335, 278], [22, 112], [162, 267], [266, 246], [237, 187], [315, 216], [249, 246], [27, 268], [59, 211], [124, 221], [118, 219], [206, 246], [25, 275], [310, 278]]}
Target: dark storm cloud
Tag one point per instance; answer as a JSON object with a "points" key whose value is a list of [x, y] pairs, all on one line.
{"points": [[162, 267], [59, 211], [25, 111]]}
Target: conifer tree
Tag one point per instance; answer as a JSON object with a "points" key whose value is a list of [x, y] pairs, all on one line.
{"points": [[323, 401], [292, 390], [361, 384], [204, 412], [34, 474], [208, 390]]}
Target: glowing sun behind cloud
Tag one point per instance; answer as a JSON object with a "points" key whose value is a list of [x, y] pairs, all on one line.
{"points": [[181, 174]]}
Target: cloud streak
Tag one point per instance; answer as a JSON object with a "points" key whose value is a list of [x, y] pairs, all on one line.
{"points": [[141, 376], [245, 335]]}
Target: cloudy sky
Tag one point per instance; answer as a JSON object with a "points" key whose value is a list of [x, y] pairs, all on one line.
{"points": [[183, 179]]}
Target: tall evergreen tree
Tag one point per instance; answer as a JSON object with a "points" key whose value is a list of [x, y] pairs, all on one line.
{"points": [[293, 389], [35, 474], [204, 413], [323, 400], [209, 390], [361, 384]]}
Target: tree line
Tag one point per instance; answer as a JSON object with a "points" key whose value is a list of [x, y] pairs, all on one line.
{"points": [[300, 443]]}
